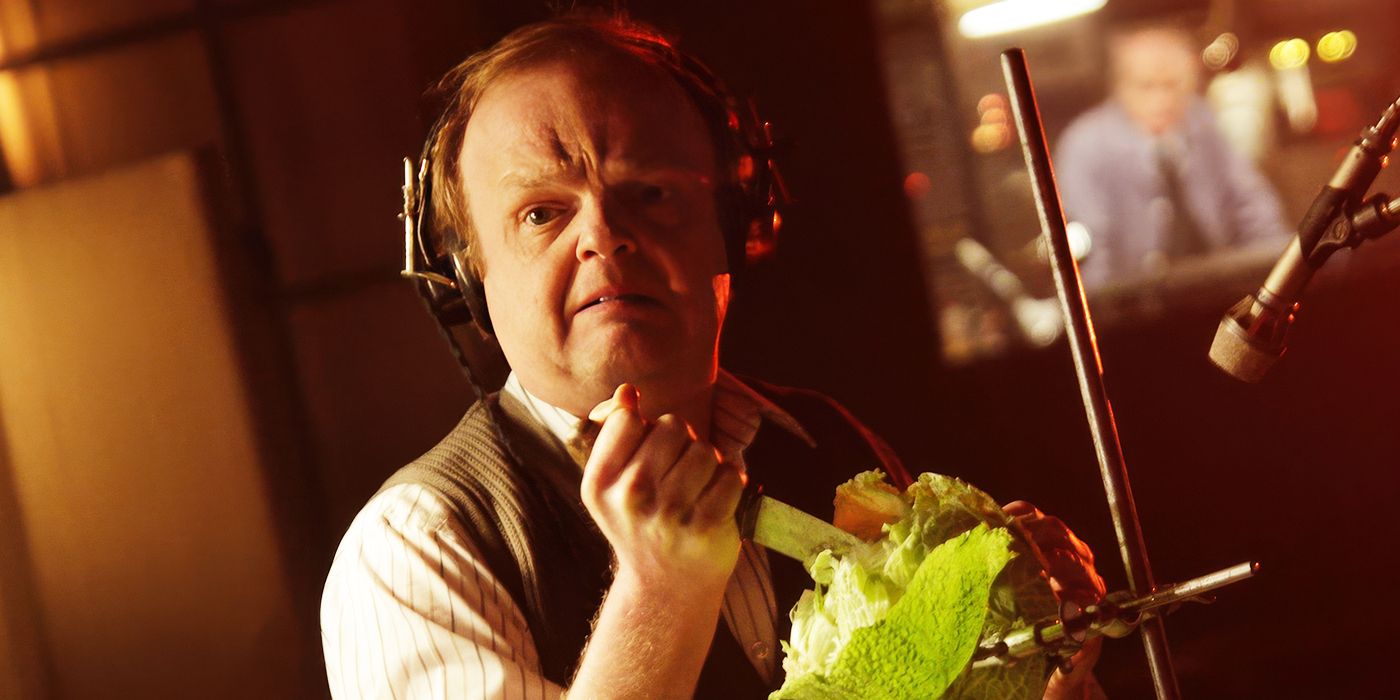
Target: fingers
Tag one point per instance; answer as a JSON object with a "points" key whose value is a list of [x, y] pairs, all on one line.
{"points": [[1047, 532], [719, 500], [658, 493], [1052, 533], [649, 467], [1069, 562], [687, 480], [624, 397], [642, 480], [1072, 578], [621, 434], [1017, 509]]}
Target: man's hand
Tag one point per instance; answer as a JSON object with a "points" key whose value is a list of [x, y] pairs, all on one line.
{"points": [[1070, 568], [665, 502], [662, 498]]}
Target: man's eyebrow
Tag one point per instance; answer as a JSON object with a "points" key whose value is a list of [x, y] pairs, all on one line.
{"points": [[564, 165], [529, 178], [661, 168], [536, 177]]}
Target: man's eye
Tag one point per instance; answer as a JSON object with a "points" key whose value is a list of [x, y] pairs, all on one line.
{"points": [[540, 216], [652, 194]]}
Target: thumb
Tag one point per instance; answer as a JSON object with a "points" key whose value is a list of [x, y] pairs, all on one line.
{"points": [[625, 397]]}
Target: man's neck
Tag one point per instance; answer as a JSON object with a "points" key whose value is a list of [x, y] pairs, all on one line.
{"points": [[693, 407]]}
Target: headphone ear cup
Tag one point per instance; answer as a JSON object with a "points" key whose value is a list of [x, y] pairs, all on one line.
{"points": [[734, 220], [472, 291], [751, 233]]}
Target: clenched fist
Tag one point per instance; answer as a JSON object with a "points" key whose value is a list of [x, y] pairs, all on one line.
{"points": [[663, 498]]}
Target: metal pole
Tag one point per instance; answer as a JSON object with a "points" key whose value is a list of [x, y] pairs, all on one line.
{"points": [[1084, 347]]}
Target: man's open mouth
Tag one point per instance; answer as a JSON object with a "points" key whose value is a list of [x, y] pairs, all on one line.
{"points": [[626, 298]]}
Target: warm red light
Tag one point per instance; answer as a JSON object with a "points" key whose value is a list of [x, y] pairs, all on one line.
{"points": [[746, 168], [916, 185]]}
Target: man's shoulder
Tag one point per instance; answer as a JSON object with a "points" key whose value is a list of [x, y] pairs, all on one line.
{"points": [[1089, 132], [472, 447], [477, 430], [1104, 113], [456, 473], [496, 466], [406, 507], [426, 494]]}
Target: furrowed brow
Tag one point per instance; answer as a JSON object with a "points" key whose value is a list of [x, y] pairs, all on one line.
{"points": [[525, 179]]}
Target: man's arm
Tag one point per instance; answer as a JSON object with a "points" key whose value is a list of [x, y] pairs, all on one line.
{"points": [[1084, 193], [666, 505], [410, 610]]}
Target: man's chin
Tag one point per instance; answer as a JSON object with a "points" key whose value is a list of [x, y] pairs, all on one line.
{"points": [[603, 377], [622, 350], [652, 373]]}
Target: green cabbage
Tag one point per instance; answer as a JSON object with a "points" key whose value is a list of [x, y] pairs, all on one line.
{"points": [[900, 617]]}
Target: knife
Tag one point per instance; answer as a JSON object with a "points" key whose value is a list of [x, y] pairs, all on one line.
{"points": [[788, 530], [778, 526]]}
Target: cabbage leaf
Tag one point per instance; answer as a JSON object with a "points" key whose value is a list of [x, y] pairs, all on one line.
{"points": [[901, 616]]}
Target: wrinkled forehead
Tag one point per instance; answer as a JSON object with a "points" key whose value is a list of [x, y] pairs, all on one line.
{"points": [[590, 109]]}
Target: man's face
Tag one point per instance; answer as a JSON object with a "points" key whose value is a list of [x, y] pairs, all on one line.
{"points": [[590, 188], [1156, 78]]}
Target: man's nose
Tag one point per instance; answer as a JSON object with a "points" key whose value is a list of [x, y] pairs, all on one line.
{"points": [[602, 234]]}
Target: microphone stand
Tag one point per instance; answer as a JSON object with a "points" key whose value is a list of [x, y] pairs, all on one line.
{"points": [[1084, 348]]}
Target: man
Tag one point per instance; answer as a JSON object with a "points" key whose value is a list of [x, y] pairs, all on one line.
{"points": [[590, 184], [1149, 173]]}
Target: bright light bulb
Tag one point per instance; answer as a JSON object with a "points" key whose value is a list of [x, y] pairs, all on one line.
{"points": [[1336, 46], [1005, 16], [1221, 51], [1291, 53]]}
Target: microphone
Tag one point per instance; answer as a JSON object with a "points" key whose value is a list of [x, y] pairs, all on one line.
{"points": [[1251, 337], [1038, 320]]}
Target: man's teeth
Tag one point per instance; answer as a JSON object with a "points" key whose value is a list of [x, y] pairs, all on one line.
{"points": [[619, 297]]}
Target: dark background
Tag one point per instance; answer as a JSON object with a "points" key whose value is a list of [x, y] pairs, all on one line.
{"points": [[312, 104]]}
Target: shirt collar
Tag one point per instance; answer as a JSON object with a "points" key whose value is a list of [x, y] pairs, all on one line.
{"points": [[735, 416], [730, 391], [561, 423]]}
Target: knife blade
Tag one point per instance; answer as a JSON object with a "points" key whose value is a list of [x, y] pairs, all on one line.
{"points": [[787, 530]]}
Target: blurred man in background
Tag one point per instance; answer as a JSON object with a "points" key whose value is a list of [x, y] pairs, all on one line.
{"points": [[1150, 174]]}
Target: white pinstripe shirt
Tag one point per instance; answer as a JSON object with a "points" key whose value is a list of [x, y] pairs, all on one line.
{"points": [[411, 611]]}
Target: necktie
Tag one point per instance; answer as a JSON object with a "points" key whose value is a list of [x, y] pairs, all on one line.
{"points": [[1184, 238]]}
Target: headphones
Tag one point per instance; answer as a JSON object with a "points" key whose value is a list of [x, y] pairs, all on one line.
{"points": [[749, 198]]}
